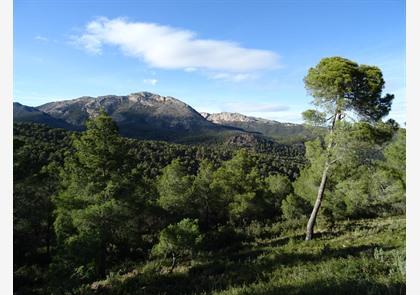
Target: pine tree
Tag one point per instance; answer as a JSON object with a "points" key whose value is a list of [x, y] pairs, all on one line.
{"points": [[95, 209], [341, 88]]}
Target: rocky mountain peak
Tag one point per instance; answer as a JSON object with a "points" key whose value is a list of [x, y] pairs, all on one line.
{"points": [[139, 113], [151, 98], [205, 115], [224, 117]]}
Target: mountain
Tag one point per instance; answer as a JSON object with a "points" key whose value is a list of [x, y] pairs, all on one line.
{"points": [[146, 115], [22, 113], [140, 115], [284, 132]]}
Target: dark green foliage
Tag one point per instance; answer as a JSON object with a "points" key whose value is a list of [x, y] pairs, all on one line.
{"points": [[174, 187], [294, 207], [357, 185], [182, 238], [394, 162], [390, 177], [38, 153], [178, 240], [279, 186], [228, 218], [207, 204], [270, 157], [341, 88], [241, 187], [339, 83], [222, 238], [98, 211]]}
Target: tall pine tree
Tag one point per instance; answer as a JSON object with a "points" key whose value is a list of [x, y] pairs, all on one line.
{"points": [[97, 210]]}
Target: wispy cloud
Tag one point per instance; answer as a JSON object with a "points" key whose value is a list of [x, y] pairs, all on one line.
{"points": [[190, 70], [255, 107], [235, 77], [166, 47], [150, 81], [41, 38]]}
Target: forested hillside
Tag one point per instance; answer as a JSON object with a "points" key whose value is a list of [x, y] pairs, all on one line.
{"points": [[94, 205]]}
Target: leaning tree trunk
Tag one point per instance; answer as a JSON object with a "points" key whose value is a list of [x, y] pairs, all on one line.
{"points": [[311, 221], [315, 210]]}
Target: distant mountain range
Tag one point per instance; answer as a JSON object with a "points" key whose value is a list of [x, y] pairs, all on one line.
{"points": [[150, 116], [271, 128]]}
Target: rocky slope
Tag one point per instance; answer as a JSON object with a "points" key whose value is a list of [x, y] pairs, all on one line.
{"points": [[226, 117], [287, 132], [143, 106], [140, 115]]}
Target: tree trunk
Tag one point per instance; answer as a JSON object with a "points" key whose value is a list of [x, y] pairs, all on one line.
{"points": [[315, 210], [173, 262], [311, 222]]}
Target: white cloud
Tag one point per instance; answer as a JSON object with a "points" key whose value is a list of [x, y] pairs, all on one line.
{"points": [[150, 81], [172, 48]]}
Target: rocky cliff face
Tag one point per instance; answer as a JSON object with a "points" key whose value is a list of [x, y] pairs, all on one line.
{"points": [[271, 128], [226, 117]]}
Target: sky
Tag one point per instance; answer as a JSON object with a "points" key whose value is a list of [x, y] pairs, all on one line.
{"points": [[235, 56]]}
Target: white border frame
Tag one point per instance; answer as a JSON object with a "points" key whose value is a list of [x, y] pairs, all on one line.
{"points": [[413, 153], [6, 146]]}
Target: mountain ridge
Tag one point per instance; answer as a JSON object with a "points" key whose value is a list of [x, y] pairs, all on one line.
{"points": [[147, 115], [220, 118], [281, 131]]}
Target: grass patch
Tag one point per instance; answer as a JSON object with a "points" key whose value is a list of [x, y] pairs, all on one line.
{"points": [[355, 257]]}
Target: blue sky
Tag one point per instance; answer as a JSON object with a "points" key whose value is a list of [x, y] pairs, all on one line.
{"points": [[237, 56]]}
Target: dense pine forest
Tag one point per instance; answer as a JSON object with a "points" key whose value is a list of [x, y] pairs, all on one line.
{"points": [[95, 206], [99, 213]]}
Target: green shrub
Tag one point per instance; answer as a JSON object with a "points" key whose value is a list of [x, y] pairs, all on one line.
{"points": [[294, 207], [178, 240]]}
